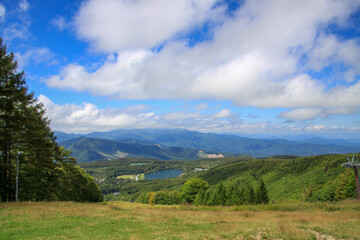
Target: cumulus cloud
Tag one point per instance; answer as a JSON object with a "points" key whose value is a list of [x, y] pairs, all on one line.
{"points": [[88, 117], [118, 77], [329, 49], [117, 25], [255, 58]]}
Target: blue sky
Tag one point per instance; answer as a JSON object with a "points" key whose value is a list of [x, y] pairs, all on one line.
{"points": [[244, 67]]}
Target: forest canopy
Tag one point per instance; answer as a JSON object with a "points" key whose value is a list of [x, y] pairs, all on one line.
{"points": [[46, 172]]}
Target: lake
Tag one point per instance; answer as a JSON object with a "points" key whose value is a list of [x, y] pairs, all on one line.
{"points": [[169, 173]]}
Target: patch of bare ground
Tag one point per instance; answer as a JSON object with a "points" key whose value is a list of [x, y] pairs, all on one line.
{"points": [[321, 236]]}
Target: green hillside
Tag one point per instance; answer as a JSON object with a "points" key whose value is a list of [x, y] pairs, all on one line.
{"points": [[308, 178], [286, 177]]}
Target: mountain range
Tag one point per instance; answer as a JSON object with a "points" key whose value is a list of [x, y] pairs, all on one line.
{"points": [[91, 149], [181, 144]]}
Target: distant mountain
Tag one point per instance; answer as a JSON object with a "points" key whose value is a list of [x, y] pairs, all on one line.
{"points": [[339, 142], [250, 146], [225, 143], [61, 136], [91, 149]]}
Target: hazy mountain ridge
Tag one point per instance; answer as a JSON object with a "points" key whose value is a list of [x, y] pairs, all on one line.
{"points": [[218, 143], [91, 149]]}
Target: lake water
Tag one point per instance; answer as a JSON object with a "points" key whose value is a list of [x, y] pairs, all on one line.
{"points": [[169, 173]]}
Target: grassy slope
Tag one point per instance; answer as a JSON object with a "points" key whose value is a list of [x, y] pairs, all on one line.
{"points": [[123, 220]]}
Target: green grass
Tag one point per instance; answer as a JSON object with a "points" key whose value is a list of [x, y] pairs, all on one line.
{"points": [[124, 220]]}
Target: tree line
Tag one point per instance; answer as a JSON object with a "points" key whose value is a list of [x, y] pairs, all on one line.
{"points": [[45, 169], [198, 192]]}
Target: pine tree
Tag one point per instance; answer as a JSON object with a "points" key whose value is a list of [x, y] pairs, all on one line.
{"points": [[199, 197], [261, 195], [221, 194], [233, 195], [13, 98], [206, 197], [46, 172], [249, 195]]}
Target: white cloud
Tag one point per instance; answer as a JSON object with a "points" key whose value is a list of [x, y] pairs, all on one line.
{"points": [[88, 118], [329, 50], [118, 76], [36, 55], [2, 12], [16, 30], [24, 5], [313, 113], [85, 118], [255, 58], [18, 22], [117, 25], [224, 113]]}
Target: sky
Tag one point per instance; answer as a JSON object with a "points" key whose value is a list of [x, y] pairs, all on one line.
{"points": [[259, 67]]}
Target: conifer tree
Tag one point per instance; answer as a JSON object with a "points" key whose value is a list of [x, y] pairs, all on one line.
{"points": [[45, 171], [249, 195], [261, 195], [206, 197], [13, 98], [233, 195], [200, 197], [221, 194]]}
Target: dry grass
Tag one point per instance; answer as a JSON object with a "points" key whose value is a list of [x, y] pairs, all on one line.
{"points": [[123, 220]]}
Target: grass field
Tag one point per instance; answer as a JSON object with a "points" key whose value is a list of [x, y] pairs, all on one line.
{"points": [[124, 220]]}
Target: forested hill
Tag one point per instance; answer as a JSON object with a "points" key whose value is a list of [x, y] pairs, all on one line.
{"points": [[302, 178], [224, 143], [311, 178], [91, 149]]}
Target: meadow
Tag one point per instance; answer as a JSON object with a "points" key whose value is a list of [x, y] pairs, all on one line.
{"points": [[125, 220]]}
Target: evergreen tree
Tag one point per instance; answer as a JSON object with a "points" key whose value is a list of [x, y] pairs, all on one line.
{"points": [[261, 195], [222, 198], [213, 198], [13, 99], [249, 195], [233, 195], [200, 197], [206, 197], [45, 171]]}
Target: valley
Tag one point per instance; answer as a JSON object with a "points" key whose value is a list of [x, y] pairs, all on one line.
{"points": [[120, 160]]}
